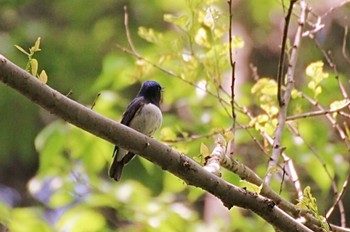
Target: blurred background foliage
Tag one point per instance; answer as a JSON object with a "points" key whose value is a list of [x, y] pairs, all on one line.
{"points": [[53, 175]]}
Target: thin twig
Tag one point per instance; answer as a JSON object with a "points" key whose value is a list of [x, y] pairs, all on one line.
{"points": [[347, 144], [127, 31], [317, 113], [277, 148], [344, 45], [233, 79], [338, 202], [282, 54], [95, 100]]}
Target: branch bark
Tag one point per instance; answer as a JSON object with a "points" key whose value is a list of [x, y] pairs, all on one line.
{"points": [[156, 152], [277, 148]]}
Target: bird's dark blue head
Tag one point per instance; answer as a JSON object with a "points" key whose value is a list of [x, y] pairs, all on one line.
{"points": [[151, 91]]}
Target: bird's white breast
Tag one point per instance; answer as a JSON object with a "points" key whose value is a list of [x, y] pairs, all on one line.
{"points": [[147, 120]]}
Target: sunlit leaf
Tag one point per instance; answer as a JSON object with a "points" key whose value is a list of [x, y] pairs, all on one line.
{"points": [[22, 50], [204, 150], [201, 38], [183, 22], [250, 186], [36, 47], [34, 66], [150, 35], [81, 219], [167, 134], [61, 198], [237, 42], [336, 105], [43, 77], [30, 220]]}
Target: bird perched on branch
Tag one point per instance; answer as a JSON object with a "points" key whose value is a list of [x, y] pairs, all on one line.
{"points": [[142, 114]]}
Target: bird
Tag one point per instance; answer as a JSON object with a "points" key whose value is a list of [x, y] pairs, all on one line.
{"points": [[142, 114]]}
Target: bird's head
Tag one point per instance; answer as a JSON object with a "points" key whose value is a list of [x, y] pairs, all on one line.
{"points": [[152, 91]]}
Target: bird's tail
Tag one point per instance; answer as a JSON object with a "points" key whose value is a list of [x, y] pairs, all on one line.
{"points": [[115, 171]]}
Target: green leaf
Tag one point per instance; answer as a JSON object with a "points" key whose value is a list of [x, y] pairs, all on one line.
{"points": [[61, 198], [183, 22], [237, 42], [36, 47], [201, 38], [204, 150], [34, 66], [251, 187], [81, 219], [308, 202], [22, 50], [27, 219], [336, 105], [43, 77], [150, 35], [317, 75]]}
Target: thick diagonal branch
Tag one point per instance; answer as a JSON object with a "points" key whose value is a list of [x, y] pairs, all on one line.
{"points": [[156, 152]]}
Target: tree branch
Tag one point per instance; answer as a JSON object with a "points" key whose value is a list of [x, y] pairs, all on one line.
{"points": [[277, 148], [156, 152]]}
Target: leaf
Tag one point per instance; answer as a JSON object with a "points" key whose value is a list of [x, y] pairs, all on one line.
{"points": [[43, 77], [22, 50], [204, 150], [237, 42], [36, 47], [167, 134], [34, 66], [150, 35], [201, 38], [308, 201], [317, 75], [266, 90], [183, 22], [296, 94], [337, 105], [251, 187]]}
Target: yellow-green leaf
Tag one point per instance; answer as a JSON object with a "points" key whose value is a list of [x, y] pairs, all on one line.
{"points": [[36, 47], [237, 42], [33, 66], [183, 22], [150, 35], [251, 187], [22, 50], [204, 150], [201, 38], [43, 77], [336, 105], [167, 134]]}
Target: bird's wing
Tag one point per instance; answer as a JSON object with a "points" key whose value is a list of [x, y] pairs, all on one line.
{"points": [[131, 110]]}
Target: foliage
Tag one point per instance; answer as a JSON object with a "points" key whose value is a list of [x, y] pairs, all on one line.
{"points": [[32, 65], [187, 52]]}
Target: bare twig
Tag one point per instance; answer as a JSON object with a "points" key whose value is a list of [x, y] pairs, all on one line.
{"points": [[316, 113], [233, 79], [95, 100], [345, 54], [339, 202], [347, 143], [126, 25], [277, 148], [283, 50], [331, 120], [332, 9]]}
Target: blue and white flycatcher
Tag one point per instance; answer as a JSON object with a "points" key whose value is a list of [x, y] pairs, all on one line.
{"points": [[142, 114]]}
